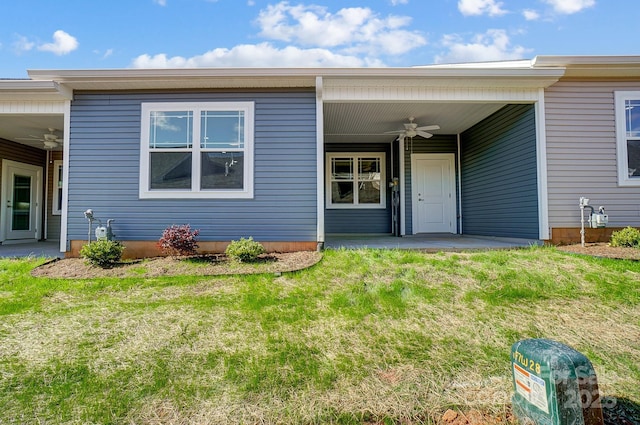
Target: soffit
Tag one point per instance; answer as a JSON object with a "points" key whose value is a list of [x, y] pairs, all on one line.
{"points": [[368, 122]]}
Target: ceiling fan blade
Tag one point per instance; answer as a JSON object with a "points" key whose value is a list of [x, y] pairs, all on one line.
{"points": [[429, 127], [395, 132], [424, 134]]}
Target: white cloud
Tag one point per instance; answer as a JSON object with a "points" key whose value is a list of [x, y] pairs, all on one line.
{"points": [[312, 37], [160, 2], [22, 44], [494, 45], [63, 43], [530, 15], [355, 29], [256, 55], [569, 7], [397, 2], [480, 7], [105, 54]]}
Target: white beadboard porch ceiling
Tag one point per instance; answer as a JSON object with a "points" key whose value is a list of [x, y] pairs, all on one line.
{"points": [[17, 127], [368, 122]]}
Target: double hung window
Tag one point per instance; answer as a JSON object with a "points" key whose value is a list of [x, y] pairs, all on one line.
{"points": [[627, 106], [355, 180], [197, 150]]}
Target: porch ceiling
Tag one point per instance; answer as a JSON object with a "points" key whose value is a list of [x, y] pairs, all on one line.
{"points": [[16, 127], [368, 122]]}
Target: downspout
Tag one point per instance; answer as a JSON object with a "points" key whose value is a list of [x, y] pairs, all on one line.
{"points": [[403, 203], [65, 177], [320, 164], [45, 227], [459, 189], [541, 154]]}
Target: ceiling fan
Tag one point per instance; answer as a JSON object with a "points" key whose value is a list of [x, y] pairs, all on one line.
{"points": [[411, 130], [49, 140]]}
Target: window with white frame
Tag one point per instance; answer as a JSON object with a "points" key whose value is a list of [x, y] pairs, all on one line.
{"points": [[197, 150], [627, 106], [57, 188], [355, 180]]}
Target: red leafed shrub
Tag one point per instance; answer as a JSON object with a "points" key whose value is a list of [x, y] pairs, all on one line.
{"points": [[179, 240]]}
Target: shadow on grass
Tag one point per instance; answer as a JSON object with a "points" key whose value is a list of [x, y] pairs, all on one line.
{"points": [[620, 411]]}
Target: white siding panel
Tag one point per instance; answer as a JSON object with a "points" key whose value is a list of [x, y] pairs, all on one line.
{"points": [[42, 107], [581, 153]]}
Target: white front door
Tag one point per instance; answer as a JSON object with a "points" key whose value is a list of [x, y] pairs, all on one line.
{"points": [[21, 192], [433, 193]]}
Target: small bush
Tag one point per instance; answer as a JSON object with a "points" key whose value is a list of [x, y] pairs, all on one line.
{"points": [[244, 250], [102, 253], [629, 237], [179, 240]]}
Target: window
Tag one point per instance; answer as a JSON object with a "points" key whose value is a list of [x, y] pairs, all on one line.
{"points": [[57, 188], [355, 180], [628, 137], [197, 150]]}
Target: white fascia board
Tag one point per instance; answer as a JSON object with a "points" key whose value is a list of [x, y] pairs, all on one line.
{"points": [[592, 66], [274, 77], [33, 90], [564, 61]]}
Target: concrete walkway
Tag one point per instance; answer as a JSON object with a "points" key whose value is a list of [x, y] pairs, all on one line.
{"points": [[48, 249], [426, 242]]}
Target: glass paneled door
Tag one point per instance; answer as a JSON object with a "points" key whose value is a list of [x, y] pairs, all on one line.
{"points": [[21, 194]]}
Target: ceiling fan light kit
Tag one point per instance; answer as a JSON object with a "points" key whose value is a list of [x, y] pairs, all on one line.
{"points": [[411, 130], [49, 140]]}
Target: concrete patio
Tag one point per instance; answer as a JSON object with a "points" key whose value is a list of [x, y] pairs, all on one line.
{"points": [[424, 242], [49, 249]]}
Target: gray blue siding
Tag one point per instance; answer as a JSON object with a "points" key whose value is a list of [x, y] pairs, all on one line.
{"points": [[361, 220], [436, 144], [104, 170], [499, 175]]}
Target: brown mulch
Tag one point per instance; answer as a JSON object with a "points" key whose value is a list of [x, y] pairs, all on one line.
{"points": [[211, 265], [603, 250], [208, 265]]}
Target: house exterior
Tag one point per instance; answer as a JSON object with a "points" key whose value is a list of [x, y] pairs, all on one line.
{"points": [[292, 156]]}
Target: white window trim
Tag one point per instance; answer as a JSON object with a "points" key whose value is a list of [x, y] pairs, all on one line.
{"points": [[621, 137], [56, 208], [195, 192], [355, 156]]}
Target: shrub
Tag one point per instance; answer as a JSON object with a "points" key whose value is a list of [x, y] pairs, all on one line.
{"points": [[179, 240], [244, 250], [102, 253], [629, 237]]}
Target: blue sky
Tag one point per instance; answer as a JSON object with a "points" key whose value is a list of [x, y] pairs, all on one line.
{"points": [[92, 34]]}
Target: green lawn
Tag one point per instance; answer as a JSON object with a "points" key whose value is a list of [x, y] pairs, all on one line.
{"points": [[365, 336]]}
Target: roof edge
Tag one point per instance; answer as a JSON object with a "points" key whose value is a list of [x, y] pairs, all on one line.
{"points": [[46, 90]]}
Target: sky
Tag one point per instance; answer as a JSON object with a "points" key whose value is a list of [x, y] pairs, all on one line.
{"points": [[98, 34]]}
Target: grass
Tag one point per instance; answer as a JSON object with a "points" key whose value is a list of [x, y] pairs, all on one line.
{"points": [[366, 336]]}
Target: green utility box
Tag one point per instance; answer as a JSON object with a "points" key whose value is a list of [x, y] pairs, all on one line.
{"points": [[553, 385]]}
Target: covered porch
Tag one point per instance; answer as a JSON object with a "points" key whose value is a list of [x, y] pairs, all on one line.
{"points": [[480, 171]]}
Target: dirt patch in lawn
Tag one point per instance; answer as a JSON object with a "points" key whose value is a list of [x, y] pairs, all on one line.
{"points": [[603, 250], [210, 265]]}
